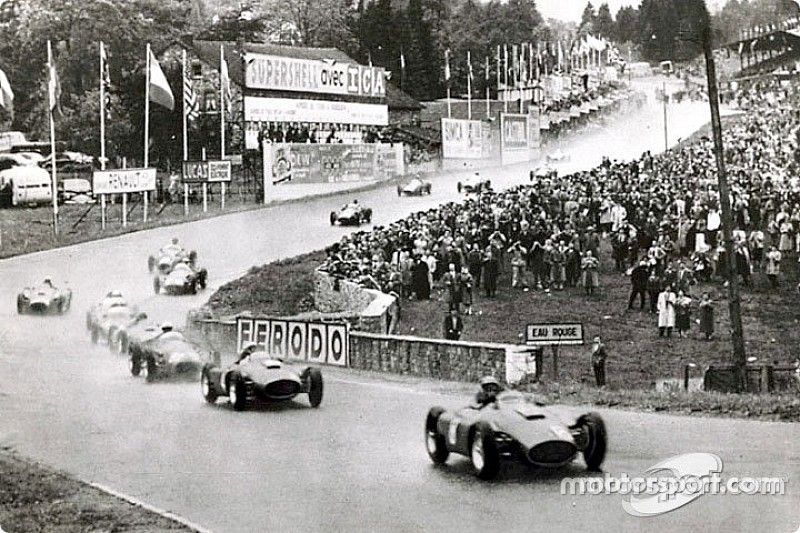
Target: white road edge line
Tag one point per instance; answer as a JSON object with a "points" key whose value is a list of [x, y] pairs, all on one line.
{"points": [[153, 509]]}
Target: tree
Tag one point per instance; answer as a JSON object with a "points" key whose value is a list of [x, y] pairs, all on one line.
{"points": [[604, 23], [626, 28], [419, 50], [320, 23], [588, 19]]}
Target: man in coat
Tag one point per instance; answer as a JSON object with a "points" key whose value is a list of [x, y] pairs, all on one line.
{"points": [[639, 276], [453, 326], [666, 311], [599, 361]]}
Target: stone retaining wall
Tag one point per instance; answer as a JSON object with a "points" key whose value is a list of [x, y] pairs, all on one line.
{"points": [[365, 309]]}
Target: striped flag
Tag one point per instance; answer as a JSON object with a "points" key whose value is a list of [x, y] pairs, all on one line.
{"points": [[6, 94], [105, 78], [160, 91], [447, 65], [189, 98], [53, 83], [225, 79]]}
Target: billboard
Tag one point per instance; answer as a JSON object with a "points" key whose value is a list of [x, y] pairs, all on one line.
{"points": [[514, 133], [206, 171], [462, 139], [332, 163], [534, 125], [296, 340], [276, 73], [261, 109], [123, 180]]}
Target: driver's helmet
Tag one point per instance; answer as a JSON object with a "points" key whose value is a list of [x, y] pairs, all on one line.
{"points": [[114, 294], [175, 241], [355, 202], [248, 349], [48, 281], [166, 327], [142, 316], [490, 386]]}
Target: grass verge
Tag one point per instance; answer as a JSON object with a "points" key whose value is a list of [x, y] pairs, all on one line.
{"points": [[37, 498]]}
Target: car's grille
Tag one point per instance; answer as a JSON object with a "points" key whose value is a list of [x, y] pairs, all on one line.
{"points": [[39, 307], [185, 368], [282, 388], [554, 452]]}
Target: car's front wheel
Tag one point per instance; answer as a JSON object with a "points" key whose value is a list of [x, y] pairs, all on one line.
{"points": [[434, 441], [152, 370], [209, 392], [483, 452], [315, 387], [595, 452], [156, 285], [237, 392], [135, 365]]}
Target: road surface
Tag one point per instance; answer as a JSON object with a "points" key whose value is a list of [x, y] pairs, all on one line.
{"points": [[357, 463]]}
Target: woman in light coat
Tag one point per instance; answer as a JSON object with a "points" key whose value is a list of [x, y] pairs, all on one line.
{"points": [[666, 311]]}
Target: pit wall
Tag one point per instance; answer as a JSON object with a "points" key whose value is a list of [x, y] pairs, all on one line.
{"points": [[395, 354]]}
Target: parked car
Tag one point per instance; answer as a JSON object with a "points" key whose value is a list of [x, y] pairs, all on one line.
{"points": [[22, 182]]}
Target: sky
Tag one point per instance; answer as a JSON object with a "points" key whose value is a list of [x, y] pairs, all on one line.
{"points": [[570, 10]]}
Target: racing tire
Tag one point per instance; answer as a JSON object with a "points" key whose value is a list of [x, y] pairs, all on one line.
{"points": [[315, 387], [237, 392], [135, 365], [595, 451], [459, 187], [399, 191], [20, 306], [95, 335], [368, 216], [151, 263], [483, 452], [209, 392], [435, 442], [428, 189], [156, 285], [193, 287], [88, 322], [333, 218], [202, 279], [152, 370], [192, 257]]}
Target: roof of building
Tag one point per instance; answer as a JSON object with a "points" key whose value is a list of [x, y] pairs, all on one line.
{"points": [[208, 51]]}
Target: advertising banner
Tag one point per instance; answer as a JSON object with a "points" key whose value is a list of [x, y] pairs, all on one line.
{"points": [[513, 137], [123, 180], [534, 132], [462, 139], [333, 163], [206, 171], [260, 109], [296, 340], [275, 73]]}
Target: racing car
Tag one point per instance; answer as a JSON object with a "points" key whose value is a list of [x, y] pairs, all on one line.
{"points": [[259, 376], [351, 215], [474, 184], [171, 254], [545, 171], [44, 299], [166, 354], [111, 299], [106, 325], [512, 427], [180, 278], [416, 187], [559, 156]]}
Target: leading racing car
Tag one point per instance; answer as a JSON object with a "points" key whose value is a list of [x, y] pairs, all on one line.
{"points": [[416, 187], [351, 214], [172, 253], [506, 425], [259, 376], [44, 299]]}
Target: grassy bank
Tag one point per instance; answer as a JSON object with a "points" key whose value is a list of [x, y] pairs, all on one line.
{"points": [[37, 498]]}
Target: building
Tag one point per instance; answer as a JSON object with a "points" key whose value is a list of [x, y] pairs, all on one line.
{"points": [[290, 93]]}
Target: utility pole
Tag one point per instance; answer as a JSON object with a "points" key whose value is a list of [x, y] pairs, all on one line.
{"points": [[734, 306], [664, 99]]}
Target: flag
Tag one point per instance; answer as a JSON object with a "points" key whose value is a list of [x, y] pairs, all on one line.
{"points": [[447, 65], [160, 92], [497, 71], [6, 94], [469, 66], [105, 78], [189, 98], [224, 77], [53, 83], [402, 60], [486, 73]]}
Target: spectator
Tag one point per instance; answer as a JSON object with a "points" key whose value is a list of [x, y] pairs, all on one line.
{"points": [[453, 326], [666, 312], [683, 310], [598, 356], [639, 276], [490, 273], [452, 283], [467, 283], [773, 266], [589, 266], [706, 316]]}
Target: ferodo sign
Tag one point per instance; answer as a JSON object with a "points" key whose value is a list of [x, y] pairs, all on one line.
{"points": [[296, 340], [276, 73]]}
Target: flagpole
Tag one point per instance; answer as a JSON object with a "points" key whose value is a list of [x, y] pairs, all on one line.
{"points": [[222, 120], [185, 132], [51, 94], [488, 108], [505, 77], [469, 86], [146, 125], [102, 133], [447, 81]]}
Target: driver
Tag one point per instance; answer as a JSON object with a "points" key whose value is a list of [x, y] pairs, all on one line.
{"points": [[173, 248], [352, 205], [248, 349], [166, 327], [490, 388], [48, 282]]}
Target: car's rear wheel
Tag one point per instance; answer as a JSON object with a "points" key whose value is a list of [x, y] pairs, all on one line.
{"points": [[434, 441], [315, 387], [483, 452], [333, 218], [151, 263], [193, 287], [156, 285], [152, 370], [399, 191], [237, 392], [595, 452], [95, 335], [135, 365], [209, 392], [20, 306]]}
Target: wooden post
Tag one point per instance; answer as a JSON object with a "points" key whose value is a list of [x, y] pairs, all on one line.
{"points": [[205, 189], [555, 362], [102, 211], [222, 198], [186, 199], [124, 210]]}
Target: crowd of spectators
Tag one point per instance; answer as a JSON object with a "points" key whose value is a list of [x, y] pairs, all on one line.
{"points": [[313, 132], [660, 216]]}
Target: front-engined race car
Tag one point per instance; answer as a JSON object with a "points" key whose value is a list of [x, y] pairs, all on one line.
{"points": [[474, 184], [181, 278], [167, 354], [559, 156], [260, 377], [44, 299], [351, 215], [512, 427], [106, 324], [415, 187], [172, 255]]}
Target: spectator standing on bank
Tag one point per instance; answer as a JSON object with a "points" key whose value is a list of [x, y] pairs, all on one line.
{"points": [[467, 285], [706, 316], [683, 311], [773, 266], [490, 272], [666, 312], [589, 266], [453, 326], [598, 357], [452, 283], [639, 276]]}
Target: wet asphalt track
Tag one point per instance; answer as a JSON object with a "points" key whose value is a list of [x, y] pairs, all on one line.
{"points": [[357, 463]]}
